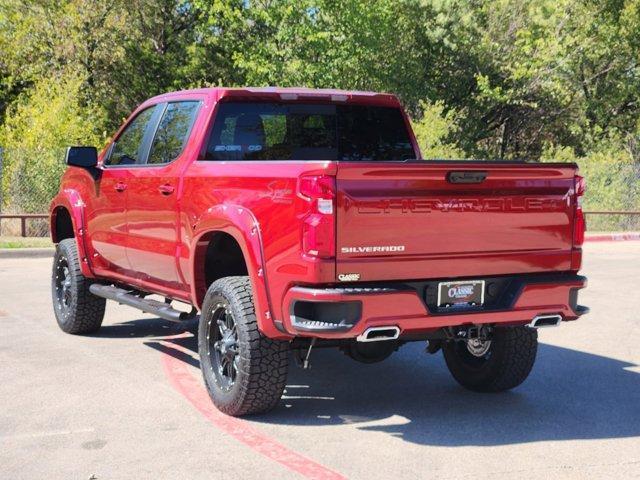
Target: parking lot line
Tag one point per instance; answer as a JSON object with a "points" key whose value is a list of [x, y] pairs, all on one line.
{"points": [[190, 388]]}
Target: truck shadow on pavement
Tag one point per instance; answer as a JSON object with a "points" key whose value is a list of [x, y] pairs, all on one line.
{"points": [[570, 395]]}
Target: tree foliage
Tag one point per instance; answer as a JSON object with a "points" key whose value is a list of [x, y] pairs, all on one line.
{"points": [[40, 123], [481, 78]]}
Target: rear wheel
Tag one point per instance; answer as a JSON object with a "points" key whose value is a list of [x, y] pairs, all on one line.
{"points": [[77, 310], [500, 362], [244, 371]]}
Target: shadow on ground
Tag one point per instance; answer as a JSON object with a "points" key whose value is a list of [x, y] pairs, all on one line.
{"points": [[145, 327], [570, 395]]}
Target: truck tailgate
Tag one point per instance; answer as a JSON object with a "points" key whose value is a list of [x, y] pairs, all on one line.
{"points": [[415, 221]]}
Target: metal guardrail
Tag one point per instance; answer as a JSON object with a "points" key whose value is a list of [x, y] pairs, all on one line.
{"points": [[612, 220], [610, 212], [23, 217]]}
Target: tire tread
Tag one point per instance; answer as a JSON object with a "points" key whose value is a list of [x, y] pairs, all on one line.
{"points": [[513, 363], [87, 310], [264, 362]]}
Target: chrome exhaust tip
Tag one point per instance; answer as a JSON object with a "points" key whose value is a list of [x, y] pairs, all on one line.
{"points": [[379, 334], [542, 321]]}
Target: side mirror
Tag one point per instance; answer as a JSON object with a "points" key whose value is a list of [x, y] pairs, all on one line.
{"points": [[83, 157]]}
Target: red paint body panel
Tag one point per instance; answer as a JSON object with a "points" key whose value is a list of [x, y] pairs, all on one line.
{"points": [[70, 199], [405, 309], [106, 216], [263, 216], [518, 220], [152, 224], [148, 226]]}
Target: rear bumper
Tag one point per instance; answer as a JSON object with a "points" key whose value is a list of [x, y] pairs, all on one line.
{"points": [[339, 312]]}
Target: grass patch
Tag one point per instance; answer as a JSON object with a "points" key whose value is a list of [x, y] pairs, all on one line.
{"points": [[26, 242]]}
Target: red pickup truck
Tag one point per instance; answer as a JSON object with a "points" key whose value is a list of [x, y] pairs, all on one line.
{"points": [[297, 218]]}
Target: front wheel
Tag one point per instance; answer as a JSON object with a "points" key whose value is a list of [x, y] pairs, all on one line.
{"points": [[77, 310], [498, 363], [244, 371]]}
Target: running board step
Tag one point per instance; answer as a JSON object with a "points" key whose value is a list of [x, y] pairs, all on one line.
{"points": [[125, 297]]}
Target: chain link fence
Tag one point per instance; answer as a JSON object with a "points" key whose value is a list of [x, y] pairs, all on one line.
{"points": [[28, 182], [613, 186], [613, 222], [30, 179]]}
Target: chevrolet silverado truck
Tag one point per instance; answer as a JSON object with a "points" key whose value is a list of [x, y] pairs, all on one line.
{"points": [[288, 219]]}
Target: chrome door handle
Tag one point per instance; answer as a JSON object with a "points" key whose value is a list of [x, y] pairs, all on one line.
{"points": [[166, 189], [120, 187]]}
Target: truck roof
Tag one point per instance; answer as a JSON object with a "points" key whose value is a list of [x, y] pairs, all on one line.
{"points": [[285, 93]]}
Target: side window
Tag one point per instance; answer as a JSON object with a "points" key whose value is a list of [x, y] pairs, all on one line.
{"points": [[173, 132], [127, 149]]}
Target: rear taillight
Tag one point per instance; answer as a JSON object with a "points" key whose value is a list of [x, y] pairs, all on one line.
{"points": [[579, 222], [318, 226]]}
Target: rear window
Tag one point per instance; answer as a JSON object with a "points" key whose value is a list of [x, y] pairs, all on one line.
{"points": [[296, 131]]}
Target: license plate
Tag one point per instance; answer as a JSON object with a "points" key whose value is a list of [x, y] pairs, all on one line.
{"points": [[461, 293]]}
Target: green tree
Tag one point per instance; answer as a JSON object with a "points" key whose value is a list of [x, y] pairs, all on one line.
{"points": [[126, 51], [434, 130], [38, 128], [379, 46], [523, 74], [491, 79]]}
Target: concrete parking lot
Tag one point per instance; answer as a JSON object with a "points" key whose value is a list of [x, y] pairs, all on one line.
{"points": [[128, 402]]}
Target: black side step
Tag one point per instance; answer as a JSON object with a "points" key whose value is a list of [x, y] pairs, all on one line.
{"points": [[161, 309]]}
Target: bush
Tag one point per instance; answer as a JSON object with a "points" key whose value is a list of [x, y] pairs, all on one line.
{"points": [[33, 138], [433, 130]]}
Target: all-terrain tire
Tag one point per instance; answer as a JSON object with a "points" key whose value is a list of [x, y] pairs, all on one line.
{"points": [[261, 364], [506, 365], [77, 310]]}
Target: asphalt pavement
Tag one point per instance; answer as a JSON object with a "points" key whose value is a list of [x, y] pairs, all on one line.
{"points": [[128, 402]]}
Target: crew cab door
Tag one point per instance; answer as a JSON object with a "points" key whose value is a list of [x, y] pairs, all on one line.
{"points": [[107, 210], [153, 200]]}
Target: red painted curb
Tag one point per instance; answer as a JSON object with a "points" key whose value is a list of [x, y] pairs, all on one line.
{"points": [[612, 237], [190, 388]]}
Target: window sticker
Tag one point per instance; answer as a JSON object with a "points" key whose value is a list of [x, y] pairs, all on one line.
{"points": [[236, 148], [228, 148]]}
